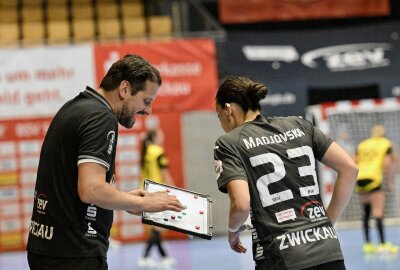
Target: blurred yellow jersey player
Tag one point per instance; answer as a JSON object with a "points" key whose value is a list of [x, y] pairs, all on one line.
{"points": [[154, 162], [374, 160], [371, 154], [154, 166]]}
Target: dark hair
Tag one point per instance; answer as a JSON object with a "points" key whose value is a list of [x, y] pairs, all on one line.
{"points": [[243, 91], [149, 139], [132, 68]]}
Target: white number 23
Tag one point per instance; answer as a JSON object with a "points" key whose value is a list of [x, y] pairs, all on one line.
{"points": [[279, 173]]}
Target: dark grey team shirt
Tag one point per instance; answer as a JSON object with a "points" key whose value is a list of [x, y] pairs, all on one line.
{"points": [[85, 128], [276, 156]]}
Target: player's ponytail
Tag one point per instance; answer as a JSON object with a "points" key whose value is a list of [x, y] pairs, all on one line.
{"points": [[256, 92], [243, 91]]}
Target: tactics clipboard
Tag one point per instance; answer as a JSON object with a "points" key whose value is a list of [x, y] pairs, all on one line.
{"points": [[195, 220]]}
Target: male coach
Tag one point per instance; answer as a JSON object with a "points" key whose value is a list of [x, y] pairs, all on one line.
{"points": [[74, 193]]}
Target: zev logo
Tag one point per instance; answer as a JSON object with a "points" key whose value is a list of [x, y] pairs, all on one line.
{"points": [[349, 57], [41, 203], [314, 210]]}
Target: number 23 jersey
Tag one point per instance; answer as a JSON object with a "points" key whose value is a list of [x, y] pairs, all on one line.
{"points": [[276, 156]]}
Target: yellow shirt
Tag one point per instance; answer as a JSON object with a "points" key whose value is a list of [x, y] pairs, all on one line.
{"points": [[371, 155], [154, 161]]}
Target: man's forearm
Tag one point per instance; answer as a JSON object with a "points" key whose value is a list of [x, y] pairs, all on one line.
{"points": [[106, 196]]}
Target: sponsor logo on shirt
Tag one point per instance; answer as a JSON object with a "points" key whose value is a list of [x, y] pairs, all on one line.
{"points": [[218, 168], [90, 231], [41, 203], [285, 215], [91, 212], [259, 252], [314, 210], [41, 230], [302, 237], [273, 139], [110, 139], [254, 233]]}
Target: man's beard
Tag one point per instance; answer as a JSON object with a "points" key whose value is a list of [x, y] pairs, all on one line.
{"points": [[125, 118]]}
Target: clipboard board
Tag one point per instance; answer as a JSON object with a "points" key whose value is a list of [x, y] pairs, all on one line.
{"points": [[195, 220]]}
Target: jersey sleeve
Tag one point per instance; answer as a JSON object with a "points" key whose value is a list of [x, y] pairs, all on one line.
{"points": [[162, 161], [320, 142], [228, 165], [98, 139]]}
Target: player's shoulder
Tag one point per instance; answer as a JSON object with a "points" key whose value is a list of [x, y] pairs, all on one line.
{"points": [[155, 149], [290, 118], [88, 107], [366, 142], [290, 121], [386, 142], [228, 138], [375, 140]]}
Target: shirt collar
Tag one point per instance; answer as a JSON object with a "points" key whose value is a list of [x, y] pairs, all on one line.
{"points": [[93, 93]]}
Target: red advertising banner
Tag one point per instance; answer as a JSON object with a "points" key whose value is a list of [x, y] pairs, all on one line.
{"points": [[244, 11], [20, 144], [188, 69], [189, 72]]}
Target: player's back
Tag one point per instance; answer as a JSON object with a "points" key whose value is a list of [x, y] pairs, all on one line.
{"points": [[370, 157], [289, 220]]}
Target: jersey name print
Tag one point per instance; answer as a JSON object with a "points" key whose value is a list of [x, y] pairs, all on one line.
{"points": [[276, 156], [278, 138]]}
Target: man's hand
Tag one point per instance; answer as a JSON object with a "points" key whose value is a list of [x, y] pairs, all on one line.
{"points": [[136, 192], [161, 201]]}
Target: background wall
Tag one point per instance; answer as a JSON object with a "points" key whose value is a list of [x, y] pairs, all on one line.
{"points": [[200, 130]]}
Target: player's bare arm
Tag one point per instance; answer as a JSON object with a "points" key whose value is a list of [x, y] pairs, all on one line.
{"points": [[340, 161], [92, 188], [239, 211], [239, 203], [388, 171]]}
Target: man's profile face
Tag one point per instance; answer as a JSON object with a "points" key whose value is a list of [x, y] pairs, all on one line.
{"points": [[139, 104]]}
